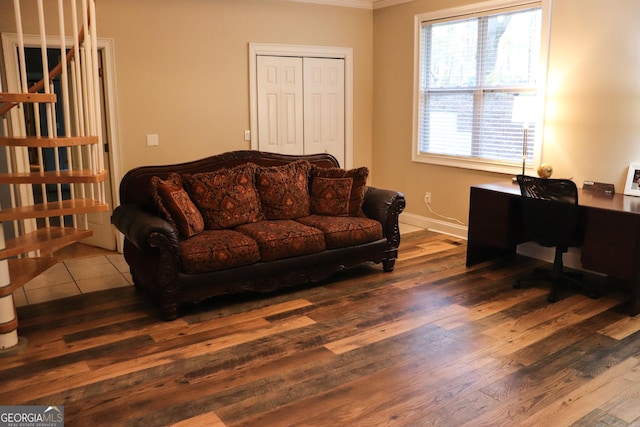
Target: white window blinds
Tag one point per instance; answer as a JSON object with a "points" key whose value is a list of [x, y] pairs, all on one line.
{"points": [[471, 69]]}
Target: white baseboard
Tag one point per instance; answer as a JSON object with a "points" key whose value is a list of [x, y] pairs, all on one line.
{"points": [[438, 226], [571, 258]]}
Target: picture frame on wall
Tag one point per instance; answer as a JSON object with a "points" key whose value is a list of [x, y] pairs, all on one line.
{"points": [[632, 187]]}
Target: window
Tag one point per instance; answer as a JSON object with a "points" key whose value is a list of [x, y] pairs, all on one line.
{"points": [[471, 68]]}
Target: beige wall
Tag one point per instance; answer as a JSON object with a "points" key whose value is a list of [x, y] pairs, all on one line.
{"points": [[183, 73], [592, 106]]}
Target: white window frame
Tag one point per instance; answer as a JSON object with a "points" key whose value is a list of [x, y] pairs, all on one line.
{"points": [[499, 166]]}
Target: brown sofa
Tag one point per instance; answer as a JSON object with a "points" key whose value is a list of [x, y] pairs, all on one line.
{"points": [[250, 221]]}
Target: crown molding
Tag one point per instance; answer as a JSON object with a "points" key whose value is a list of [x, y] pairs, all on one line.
{"points": [[360, 4], [379, 4]]}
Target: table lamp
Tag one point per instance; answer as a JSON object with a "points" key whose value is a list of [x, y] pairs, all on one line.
{"points": [[522, 112]]}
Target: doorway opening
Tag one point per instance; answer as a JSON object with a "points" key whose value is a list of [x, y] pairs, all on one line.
{"points": [[104, 235]]}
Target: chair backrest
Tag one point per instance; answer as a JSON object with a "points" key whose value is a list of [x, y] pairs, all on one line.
{"points": [[550, 212]]}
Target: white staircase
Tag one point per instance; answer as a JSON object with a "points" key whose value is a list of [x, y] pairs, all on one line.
{"points": [[57, 118]]}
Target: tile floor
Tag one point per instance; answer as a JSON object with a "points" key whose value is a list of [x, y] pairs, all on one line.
{"points": [[88, 274], [74, 277]]}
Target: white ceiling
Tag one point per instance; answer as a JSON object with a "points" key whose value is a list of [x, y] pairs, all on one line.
{"points": [[361, 4]]}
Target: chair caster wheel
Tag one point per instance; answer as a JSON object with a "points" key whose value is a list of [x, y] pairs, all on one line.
{"points": [[552, 298]]}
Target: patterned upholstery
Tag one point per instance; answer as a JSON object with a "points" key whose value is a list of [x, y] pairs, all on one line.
{"points": [[330, 196], [344, 231], [226, 197], [156, 252], [216, 250], [175, 205], [284, 190], [253, 213], [358, 186], [283, 238]]}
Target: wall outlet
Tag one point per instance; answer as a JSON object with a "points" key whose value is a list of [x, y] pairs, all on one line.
{"points": [[427, 197]]}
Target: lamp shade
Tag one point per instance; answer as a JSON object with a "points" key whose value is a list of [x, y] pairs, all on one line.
{"points": [[523, 109]]}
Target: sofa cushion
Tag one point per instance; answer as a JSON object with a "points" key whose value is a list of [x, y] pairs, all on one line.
{"points": [[284, 190], [283, 238], [358, 187], [226, 197], [330, 196], [175, 205], [216, 250], [343, 231]]}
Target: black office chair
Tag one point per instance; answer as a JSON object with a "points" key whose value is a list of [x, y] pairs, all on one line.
{"points": [[551, 217]]}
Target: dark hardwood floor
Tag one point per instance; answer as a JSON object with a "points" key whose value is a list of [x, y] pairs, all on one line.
{"points": [[432, 343]]}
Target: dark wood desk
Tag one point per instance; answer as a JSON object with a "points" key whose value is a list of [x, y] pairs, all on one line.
{"points": [[611, 241]]}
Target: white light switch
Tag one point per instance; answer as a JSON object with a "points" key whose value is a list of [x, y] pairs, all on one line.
{"points": [[247, 135], [152, 140]]}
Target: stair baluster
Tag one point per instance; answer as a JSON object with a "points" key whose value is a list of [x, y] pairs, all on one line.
{"points": [[72, 133]]}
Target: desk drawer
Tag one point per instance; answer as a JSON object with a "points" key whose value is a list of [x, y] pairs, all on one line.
{"points": [[611, 243]]}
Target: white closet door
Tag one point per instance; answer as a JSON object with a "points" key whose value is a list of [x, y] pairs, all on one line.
{"points": [[280, 105], [324, 107]]}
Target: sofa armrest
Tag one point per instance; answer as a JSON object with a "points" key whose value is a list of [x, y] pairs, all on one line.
{"points": [[145, 230], [385, 206]]}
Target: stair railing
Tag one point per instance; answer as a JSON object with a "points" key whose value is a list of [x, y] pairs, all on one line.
{"points": [[73, 133]]}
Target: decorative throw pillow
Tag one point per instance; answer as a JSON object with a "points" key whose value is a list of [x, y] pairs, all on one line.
{"points": [[330, 196], [226, 197], [358, 187], [175, 205], [284, 190]]}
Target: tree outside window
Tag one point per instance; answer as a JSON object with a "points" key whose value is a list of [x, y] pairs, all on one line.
{"points": [[470, 71]]}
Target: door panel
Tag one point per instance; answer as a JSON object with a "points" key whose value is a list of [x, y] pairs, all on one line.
{"points": [[301, 105], [324, 107], [280, 104]]}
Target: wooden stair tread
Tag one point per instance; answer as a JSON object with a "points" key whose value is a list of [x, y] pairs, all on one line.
{"points": [[59, 208], [47, 142], [24, 269], [46, 239], [53, 177], [27, 97]]}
